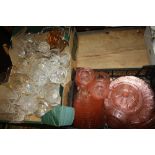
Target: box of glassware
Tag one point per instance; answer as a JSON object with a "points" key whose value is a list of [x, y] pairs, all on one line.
{"points": [[114, 98], [40, 75]]}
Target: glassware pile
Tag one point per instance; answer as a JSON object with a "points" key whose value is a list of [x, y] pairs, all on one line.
{"points": [[39, 68], [124, 102], [92, 88]]}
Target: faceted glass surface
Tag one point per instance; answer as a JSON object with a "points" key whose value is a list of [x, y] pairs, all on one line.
{"points": [[36, 75]]}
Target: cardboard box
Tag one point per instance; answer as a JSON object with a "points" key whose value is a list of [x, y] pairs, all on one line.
{"points": [[71, 37]]}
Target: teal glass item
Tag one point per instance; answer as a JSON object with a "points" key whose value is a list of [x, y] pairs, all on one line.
{"points": [[59, 116]]}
